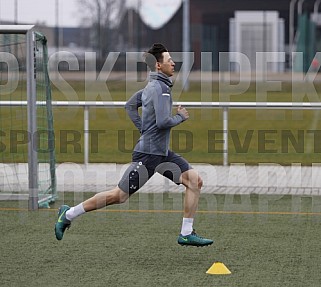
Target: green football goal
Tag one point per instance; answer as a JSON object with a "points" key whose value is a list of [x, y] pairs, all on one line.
{"points": [[27, 148]]}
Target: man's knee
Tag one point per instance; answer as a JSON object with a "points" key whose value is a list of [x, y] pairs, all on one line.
{"points": [[191, 179], [119, 196]]}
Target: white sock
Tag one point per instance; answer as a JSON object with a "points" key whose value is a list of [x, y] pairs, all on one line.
{"points": [[187, 226], [75, 211]]}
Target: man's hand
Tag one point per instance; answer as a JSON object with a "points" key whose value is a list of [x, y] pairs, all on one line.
{"points": [[183, 112]]}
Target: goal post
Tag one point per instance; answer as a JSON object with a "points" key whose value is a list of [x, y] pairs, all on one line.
{"points": [[32, 120], [26, 81]]}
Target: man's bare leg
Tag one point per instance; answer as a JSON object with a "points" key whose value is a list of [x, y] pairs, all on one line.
{"points": [[193, 183], [100, 200], [105, 198]]}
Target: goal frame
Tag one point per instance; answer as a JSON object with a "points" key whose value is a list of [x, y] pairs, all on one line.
{"points": [[28, 31]]}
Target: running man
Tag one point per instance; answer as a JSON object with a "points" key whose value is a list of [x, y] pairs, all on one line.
{"points": [[151, 153]]}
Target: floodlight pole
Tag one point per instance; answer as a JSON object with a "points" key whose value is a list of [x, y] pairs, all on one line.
{"points": [[291, 30], [316, 7], [16, 12], [186, 44], [300, 4], [57, 26], [16, 23]]}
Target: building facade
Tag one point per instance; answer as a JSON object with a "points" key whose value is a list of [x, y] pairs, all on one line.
{"points": [[210, 26]]}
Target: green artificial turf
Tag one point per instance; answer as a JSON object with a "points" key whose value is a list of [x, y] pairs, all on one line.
{"points": [[261, 239]]}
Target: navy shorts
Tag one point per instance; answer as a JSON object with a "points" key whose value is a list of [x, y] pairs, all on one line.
{"points": [[145, 165]]}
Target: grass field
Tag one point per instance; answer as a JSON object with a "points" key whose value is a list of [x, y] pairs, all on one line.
{"points": [[134, 246]]}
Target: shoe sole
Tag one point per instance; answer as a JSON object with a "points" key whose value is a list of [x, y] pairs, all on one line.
{"points": [[183, 244]]}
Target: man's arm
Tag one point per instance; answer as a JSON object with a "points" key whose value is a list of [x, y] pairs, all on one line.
{"points": [[163, 110], [132, 106]]}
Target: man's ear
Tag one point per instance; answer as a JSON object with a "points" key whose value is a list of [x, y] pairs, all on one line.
{"points": [[158, 65]]}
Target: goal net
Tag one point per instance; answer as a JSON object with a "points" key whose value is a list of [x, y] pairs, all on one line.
{"points": [[27, 150]]}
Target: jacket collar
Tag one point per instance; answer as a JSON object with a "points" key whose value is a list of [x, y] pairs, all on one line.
{"points": [[161, 77]]}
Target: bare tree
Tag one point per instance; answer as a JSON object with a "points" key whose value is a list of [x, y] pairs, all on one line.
{"points": [[104, 17]]}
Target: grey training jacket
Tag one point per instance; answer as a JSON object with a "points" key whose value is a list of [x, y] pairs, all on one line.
{"points": [[157, 120]]}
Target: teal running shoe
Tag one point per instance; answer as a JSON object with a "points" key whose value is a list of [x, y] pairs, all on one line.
{"points": [[62, 222], [193, 240]]}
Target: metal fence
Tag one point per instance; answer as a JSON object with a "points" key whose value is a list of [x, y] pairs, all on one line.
{"points": [[225, 106]]}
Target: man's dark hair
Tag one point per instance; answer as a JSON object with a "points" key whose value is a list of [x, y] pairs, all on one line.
{"points": [[154, 54]]}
